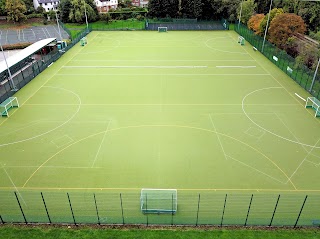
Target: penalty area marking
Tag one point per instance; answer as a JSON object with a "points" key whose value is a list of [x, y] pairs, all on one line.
{"points": [[236, 66], [300, 97]]}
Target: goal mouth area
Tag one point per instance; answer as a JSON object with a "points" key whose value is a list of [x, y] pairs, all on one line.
{"points": [[158, 201]]}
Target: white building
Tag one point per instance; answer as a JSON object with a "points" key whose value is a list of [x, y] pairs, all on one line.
{"points": [[46, 4], [140, 3], [106, 5]]}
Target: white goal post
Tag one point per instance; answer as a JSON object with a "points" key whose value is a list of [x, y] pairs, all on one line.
{"points": [[314, 103], [158, 200], [162, 29], [8, 104]]}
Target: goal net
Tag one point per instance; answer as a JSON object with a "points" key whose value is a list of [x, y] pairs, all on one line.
{"points": [[314, 103], [6, 105], [162, 29], [158, 200], [241, 40]]}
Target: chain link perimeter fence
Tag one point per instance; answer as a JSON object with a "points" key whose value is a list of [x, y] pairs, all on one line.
{"points": [[186, 24], [205, 208], [301, 74], [27, 69]]}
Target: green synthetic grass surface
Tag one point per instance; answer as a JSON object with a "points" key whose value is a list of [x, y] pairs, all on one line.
{"points": [[193, 111], [9, 232]]}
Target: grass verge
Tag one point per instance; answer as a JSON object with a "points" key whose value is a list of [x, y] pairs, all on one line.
{"points": [[48, 232]]}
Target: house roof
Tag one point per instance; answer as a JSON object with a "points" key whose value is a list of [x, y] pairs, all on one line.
{"points": [[12, 60], [48, 1]]}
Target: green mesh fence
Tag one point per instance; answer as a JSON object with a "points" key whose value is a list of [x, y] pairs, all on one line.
{"points": [[193, 208], [186, 24], [302, 74]]}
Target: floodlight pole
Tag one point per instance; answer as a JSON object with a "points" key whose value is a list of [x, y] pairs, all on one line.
{"points": [[240, 15], [14, 88], [85, 13], [265, 32], [314, 76], [57, 21]]}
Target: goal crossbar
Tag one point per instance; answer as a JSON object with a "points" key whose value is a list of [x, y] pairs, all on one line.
{"points": [[162, 29], [314, 103], [6, 105], [158, 200]]}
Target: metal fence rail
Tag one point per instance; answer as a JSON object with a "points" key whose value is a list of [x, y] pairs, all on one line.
{"points": [[205, 208], [302, 74]]}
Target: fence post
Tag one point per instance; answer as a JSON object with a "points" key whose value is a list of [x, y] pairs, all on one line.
{"points": [[305, 199], [172, 210], [74, 220], [147, 209], [95, 203], [1, 220], [198, 210], [121, 208], [274, 211], [245, 224], [224, 207], [24, 217], [45, 206]]}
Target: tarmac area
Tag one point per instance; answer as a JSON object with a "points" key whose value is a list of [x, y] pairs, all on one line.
{"points": [[31, 34]]}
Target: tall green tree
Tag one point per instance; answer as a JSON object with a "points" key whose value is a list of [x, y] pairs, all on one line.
{"points": [[155, 8], [273, 13], [191, 8], [64, 9], [248, 9], [29, 6], [171, 8], [16, 10], [77, 11], [3, 8]]}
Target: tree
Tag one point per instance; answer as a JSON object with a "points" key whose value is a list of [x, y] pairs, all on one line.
{"points": [[77, 11], [273, 13], [64, 9], [222, 9], [155, 8], [191, 8], [29, 6], [248, 9], [15, 10], [3, 8], [163, 8], [255, 22], [284, 26]]}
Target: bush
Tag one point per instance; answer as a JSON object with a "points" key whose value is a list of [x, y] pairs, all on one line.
{"points": [[35, 15]]}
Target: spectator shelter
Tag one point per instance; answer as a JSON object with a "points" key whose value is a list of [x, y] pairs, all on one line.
{"points": [[25, 65]]}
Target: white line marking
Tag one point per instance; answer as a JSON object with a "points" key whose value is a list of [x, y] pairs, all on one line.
{"points": [[236, 66], [162, 74], [300, 97], [135, 67], [105, 133], [59, 126], [270, 132], [15, 187], [255, 169], [305, 158], [214, 128]]}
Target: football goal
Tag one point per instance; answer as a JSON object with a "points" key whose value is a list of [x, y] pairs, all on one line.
{"points": [[314, 103], [158, 200], [6, 105], [241, 40], [162, 29]]}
